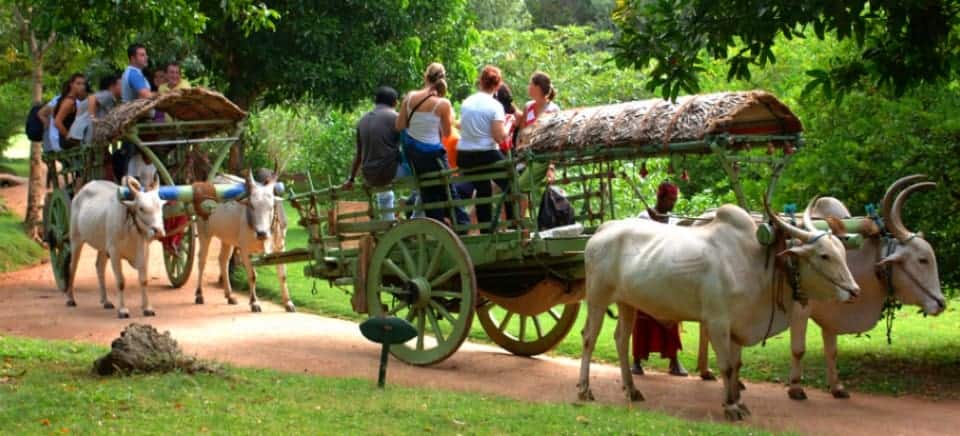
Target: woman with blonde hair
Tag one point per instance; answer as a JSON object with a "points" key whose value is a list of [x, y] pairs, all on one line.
{"points": [[425, 118]]}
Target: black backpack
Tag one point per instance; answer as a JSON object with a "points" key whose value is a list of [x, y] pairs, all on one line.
{"points": [[555, 210], [33, 126]]}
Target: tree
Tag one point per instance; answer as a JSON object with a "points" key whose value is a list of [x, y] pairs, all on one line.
{"points": [[900, 44], [553, 13], [499, 14], [338, 52], [107, 24]]}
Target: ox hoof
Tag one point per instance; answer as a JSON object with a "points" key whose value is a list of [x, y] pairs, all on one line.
{"points": [[149, 312], [742, 386], [255, 308], [797, 394], [71, 303], [108, 305], [123, 314], [290, 307], [708, 376], [743, 409], [231, 300], [840, 393], [198, 300], [734, 412], [586, 395]]}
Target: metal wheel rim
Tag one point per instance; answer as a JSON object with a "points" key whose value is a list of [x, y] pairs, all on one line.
{"points": [[179, 265], [560, 318], [56, 228], [426, 252]]}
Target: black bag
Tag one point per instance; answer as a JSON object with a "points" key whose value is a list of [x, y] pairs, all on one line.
{"points": [[33, 126], [555, 210]]}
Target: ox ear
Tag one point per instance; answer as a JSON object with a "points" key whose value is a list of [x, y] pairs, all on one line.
{"points": [[154, 183], [133, 185], [801, 250]]}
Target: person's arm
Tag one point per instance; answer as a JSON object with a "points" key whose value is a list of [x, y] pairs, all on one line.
{"points": [[356, 164], [92, 107], [65, 108], [446, 118], [138, 82], [498, 131], [402, 116], [44, 115]]}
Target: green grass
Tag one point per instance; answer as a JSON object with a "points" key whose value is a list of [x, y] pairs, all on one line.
{"points": [[46, 387], [17, 167], [922, 360], [16, 249]]}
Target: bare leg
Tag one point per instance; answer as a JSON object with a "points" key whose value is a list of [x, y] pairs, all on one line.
{"points": [[833, 377], [622, 337], [115, 262], [225, 252], [798, 346], [102, 279], [703, 355], [75, 249], [591, 330]]}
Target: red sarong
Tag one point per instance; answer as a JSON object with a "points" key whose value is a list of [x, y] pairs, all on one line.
{"points": [[649, 336], [172, 243]]}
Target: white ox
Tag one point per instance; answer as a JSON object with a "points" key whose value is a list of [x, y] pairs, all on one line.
{"points": [[717, 274], [255, 224], [118, 230], [910, 258]]}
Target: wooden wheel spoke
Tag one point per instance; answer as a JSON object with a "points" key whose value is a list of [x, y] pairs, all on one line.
{"points": [[505, 321], [411, 313], [398, 308], [537, 328], [443, 312], [421, 254], [407, 258], [421, 327], [393, 268], [553, 314], [523, 328], [435, 325], [442, 278], [445, 294], [434, 264]]}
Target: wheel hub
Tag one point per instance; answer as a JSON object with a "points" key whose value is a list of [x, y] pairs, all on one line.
{"points": [[419, 289]]}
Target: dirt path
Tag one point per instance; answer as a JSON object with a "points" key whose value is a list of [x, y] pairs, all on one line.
{"points": [[31, 306]]}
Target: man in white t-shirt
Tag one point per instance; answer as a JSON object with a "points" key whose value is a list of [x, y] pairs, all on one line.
{"points": [[482, 128]]}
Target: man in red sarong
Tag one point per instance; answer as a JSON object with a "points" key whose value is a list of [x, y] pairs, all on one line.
{"points": [[649, 335]]}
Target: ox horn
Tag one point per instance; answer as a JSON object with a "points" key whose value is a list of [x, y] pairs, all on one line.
{"points": [[895, 221], [792, 230], [889, 197], [807, 220]]}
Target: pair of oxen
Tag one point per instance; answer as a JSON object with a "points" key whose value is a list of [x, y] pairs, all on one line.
{"points": [[124, 229], [717, 273]]}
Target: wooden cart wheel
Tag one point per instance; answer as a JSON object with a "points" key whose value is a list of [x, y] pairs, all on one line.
{"points": [[179, 263], [527, 335], [421, 271], [56, 225]]}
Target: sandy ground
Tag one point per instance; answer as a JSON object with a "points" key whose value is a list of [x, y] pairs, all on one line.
{"points": [[30, 305]]}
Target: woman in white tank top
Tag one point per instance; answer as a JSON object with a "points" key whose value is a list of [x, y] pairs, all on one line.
{"points": [[425, 118]]}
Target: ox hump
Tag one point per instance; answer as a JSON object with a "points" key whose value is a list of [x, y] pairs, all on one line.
{"points": [[734, 216]]}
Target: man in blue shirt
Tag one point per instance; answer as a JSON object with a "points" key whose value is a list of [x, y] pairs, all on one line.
{"points": [[133, 83]]}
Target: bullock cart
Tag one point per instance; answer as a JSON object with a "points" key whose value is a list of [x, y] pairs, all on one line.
{"points": [[189, 145], [524, 285]]}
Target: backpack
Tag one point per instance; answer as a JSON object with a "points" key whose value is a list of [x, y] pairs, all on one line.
{"points": [[555, 210], [34, 127]]}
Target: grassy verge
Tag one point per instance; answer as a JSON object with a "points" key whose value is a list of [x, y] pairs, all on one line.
{"points": [[922, 360], [46, 387], [16, 249], [17, 167]]}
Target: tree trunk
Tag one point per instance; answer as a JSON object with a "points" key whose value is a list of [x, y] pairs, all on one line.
{"points": [[33, 218]]}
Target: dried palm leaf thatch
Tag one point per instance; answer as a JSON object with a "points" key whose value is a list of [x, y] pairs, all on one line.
{"points": [[191, 104], [657, 121]]}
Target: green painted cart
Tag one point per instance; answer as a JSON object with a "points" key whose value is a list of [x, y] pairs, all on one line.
{"points": [[525, 286], [198, 124]]}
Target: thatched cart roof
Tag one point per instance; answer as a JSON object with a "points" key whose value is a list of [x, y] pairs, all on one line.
{"points": [[193, 104], [658, 121]]}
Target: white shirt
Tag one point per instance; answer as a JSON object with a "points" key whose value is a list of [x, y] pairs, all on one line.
{"points": [[646, 215], [478, 113]]}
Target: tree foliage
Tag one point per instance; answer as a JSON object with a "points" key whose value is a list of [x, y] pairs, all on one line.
{"points": [[553, 13], [499, 14], [900, 44], [339, 51]]}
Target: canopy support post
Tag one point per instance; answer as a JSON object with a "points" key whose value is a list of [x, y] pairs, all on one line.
{"points": [[732, 173]]}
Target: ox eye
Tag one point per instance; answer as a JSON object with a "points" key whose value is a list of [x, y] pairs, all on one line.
{"points": [[924, 261], [824, 257]]}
